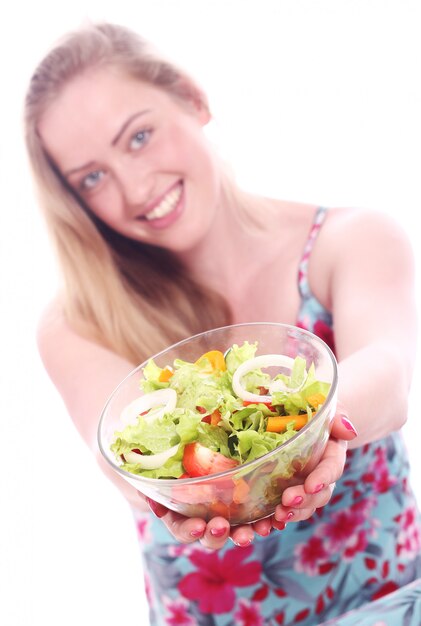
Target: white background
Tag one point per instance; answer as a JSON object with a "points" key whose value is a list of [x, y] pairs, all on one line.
{"points": [[313, 100]]}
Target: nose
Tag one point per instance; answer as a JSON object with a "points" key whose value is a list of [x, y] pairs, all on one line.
{"points": [[136, 185]]}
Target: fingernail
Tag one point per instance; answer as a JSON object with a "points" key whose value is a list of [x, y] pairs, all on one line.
{"points": [[156, 508], [243, 543], [297, 500], [290, 514], [197, 532], [348, 425], [218, 532], [318, 488]]}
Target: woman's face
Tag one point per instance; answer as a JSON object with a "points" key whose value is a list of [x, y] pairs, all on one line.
{"points": [[136, 157]]}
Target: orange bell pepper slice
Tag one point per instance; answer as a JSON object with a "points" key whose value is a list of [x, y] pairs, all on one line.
{"points": [[165, 375], [279, 424], [216, 360], [316, 400]]}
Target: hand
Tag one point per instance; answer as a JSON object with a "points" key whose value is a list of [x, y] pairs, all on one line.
{"points": [[314, 493], [212, 534], [299, 502]]}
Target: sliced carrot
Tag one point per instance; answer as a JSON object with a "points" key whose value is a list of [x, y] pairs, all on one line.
{"points": [[216, 360], [241, 491], [165, 375], [279, 424], [316, 399]]}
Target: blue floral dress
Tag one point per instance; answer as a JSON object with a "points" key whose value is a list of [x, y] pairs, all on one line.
{"points": [[352, 563]]}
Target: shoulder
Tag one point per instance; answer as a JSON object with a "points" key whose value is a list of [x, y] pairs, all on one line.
{"points": [[364, 235], [362, 245]]}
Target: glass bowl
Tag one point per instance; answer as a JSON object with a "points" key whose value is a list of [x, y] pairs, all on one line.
{"points": [[250, 491]]}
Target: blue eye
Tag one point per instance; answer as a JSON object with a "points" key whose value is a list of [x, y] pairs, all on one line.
{"points": [[92, 179], [139, 139]]}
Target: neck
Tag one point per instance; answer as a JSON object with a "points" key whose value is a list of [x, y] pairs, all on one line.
{"points": [[221, 260]]}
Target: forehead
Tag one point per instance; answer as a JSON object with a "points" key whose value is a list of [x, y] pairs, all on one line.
{"points": [[97, 100]]}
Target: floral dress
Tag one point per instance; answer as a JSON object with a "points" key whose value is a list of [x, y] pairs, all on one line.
{"points": [[352, 563]]}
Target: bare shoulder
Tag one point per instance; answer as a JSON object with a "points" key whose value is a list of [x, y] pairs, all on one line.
{"points": [[359, 245], [368, 249], [348, 226]]}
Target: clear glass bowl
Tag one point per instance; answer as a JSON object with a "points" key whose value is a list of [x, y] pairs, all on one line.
{"points": [[250, 491]]}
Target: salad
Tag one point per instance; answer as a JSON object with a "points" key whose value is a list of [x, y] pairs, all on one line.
{"points": [[214, 414]]}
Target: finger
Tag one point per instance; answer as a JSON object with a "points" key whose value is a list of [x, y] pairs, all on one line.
{"points": [[184, 529], [158, 509], [216, 533], [262, 527], [330, 468], [327, 472], [242, 535], [306, 506], [282, 515], [341, 426]]}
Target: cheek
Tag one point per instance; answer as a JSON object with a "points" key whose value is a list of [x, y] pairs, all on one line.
{"points": [[106, 204], [190, 148]]}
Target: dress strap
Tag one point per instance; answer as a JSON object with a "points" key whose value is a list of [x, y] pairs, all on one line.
{"points": [[303, 285]]}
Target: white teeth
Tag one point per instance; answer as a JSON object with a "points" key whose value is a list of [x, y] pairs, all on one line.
{"points": [[166, 205]]}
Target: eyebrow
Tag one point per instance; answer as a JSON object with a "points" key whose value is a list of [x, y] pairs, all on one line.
{"points": [[127, 123], [113, 142]]}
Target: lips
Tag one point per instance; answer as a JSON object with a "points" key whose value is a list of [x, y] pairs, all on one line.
{"points": [[164, 205]]}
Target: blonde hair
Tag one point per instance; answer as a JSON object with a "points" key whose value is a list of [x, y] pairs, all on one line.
{"points": [[133, 298]]}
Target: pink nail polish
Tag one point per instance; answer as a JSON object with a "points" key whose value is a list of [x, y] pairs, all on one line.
{"points": [[218, 532], [197, 532], [156, 508], [297, 500], [290, 514], [318, 488], [348, 425]]}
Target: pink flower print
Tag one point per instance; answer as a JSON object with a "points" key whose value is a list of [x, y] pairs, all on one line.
{"points": [[143, 525], [384, 481], [378, 473], [304, 323], [248, 614], [177, 613], [148, 589], [409, 536], [345, 533], [182, 549], [325, 332], [363, 507], [213, 584], [356, 544], [310, 555]]}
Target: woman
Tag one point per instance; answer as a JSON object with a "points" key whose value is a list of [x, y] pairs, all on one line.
{"points": [[152, 234]]}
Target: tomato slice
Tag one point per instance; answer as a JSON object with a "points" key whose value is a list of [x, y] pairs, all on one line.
{"points": [[213, 419], [198, 460]]}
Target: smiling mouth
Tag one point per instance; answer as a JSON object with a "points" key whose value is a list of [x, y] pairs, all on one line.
{"points": [[166, 206]]}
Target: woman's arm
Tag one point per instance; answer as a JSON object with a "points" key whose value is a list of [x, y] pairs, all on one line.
{"points": [[84, 374], [370, 264], [373, 305]]}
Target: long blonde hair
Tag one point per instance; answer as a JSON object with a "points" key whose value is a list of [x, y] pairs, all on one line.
{"points": [[133, 298]]}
